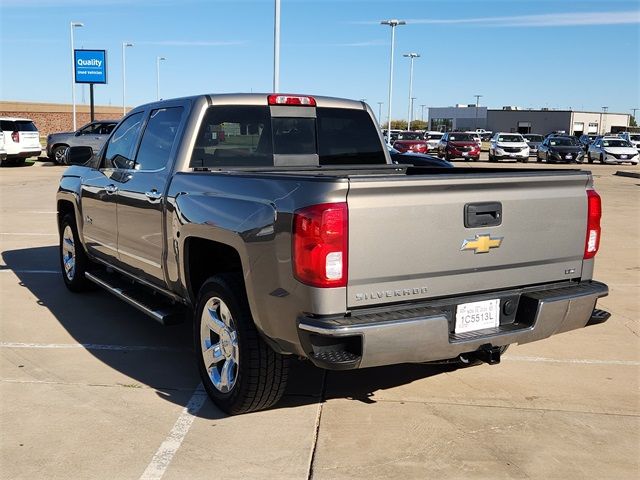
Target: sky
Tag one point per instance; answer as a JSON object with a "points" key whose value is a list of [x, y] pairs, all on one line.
{"points": [[528, 53]]}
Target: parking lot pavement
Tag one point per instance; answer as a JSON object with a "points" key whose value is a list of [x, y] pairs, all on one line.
{"points": [[91, 388]]}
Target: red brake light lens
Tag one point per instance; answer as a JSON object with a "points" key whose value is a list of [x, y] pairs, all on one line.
{"points": [[594, 213], [15, 136], [279, 99], [320, 243]]}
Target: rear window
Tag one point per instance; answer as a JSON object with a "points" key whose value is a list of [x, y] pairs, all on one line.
{"points": [[348, 137], [247, 136], [23, 126]]}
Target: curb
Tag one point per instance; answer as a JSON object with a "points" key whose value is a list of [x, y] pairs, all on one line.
{"points": [[622, 173]]}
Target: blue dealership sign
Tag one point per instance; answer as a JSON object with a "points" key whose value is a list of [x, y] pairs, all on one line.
{"points": [[90, 66]]}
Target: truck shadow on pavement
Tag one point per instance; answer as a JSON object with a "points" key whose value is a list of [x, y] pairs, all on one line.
{"points": [[150, 355]]}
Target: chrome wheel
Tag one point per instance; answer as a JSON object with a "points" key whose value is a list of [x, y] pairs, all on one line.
{"points": [[219, 344], [58, 154], [68, 253]]}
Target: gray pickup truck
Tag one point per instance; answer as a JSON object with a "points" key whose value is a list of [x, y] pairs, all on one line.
{"points": [[282, 226]]}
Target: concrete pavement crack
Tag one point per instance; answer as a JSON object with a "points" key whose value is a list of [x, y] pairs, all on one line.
{"points": [[312, 457]]}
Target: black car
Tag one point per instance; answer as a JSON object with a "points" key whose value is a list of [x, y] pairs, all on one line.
{"points": [[556, 148], [418, 159]]}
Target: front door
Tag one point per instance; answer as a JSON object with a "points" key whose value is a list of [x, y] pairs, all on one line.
{"points": [[141, 196], [100, 187]]}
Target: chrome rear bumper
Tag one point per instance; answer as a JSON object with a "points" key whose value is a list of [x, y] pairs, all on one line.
{"points": [[424, 333]]}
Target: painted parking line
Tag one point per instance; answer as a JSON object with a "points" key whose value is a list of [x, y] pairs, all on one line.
{"points": [[7, 269], [578, 361], [168, 448], [93, 346]]}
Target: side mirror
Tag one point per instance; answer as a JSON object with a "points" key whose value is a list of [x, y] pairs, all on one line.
{"points": [[78, 155]]}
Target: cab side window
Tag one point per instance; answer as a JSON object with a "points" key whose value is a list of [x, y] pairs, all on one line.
{"points": [[158, 138], [120, 150]]}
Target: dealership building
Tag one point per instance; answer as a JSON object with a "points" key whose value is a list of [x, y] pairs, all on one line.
{"points": [[513, 119], [546, 121]]}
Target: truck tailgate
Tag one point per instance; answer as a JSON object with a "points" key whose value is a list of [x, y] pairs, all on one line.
{"points": [[406, 234]]}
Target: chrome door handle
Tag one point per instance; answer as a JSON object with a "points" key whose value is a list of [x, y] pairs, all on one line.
{"points": [[153, 195], [111, 189]]}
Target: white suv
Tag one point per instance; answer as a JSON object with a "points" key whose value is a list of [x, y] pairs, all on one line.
{"points": [[632, 138], [21, 139], [508, 145]]}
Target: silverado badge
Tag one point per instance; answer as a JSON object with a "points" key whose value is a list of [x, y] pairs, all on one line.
{"points": [[481, 243]]}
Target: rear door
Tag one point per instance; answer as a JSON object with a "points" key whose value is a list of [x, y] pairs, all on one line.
{"points": [[413, 237], [141, 195]]}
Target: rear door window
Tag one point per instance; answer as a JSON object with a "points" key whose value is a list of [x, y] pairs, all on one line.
{"points": [[347, 137], [7, 125], [158, 138]]}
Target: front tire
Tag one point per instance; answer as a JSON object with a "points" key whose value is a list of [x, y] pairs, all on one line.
{"points": [[73, 259], [239, 371]]}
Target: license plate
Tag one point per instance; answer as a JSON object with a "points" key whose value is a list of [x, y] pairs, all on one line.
{"points": [[623, 157], [569, 157], [465, 154], [477, 316]]}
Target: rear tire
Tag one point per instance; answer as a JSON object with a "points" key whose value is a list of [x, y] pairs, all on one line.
{"points": [[239, 371], [57, 155], [73, 259]]}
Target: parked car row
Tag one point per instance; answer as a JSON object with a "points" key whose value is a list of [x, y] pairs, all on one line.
{"points": [[91, 135]]}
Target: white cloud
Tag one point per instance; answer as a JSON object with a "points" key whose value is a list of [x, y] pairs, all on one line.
{"points": [[574, 19], [187, 43]]}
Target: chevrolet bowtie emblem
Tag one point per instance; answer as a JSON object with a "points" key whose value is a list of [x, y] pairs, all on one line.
{"points": [[482, 243]]}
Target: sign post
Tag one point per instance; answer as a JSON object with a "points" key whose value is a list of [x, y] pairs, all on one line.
{"points": [[90, 66]]}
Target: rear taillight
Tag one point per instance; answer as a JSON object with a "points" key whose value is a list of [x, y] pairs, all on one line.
{"points": [[279, 99], [15, 136], [594, 212], [320, 245]]}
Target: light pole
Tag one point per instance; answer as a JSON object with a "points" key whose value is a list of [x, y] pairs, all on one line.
{"points": [[276, 48], [380, 112], [393, 24], [634, 114], [422, 112], [413, 99], [604, 110], [411, 56], [477, 105], [73, 71], [124, 77], [158, 60]]}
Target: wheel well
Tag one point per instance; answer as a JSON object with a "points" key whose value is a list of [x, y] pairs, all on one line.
{"points": [[205, 258], [64, 207]]}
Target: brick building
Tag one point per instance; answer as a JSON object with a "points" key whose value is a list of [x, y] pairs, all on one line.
{"points": [[56, 117]]}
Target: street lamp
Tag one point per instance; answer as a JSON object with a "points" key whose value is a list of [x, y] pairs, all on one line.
{"points": [[124, 77], [276, 48], [73, 71], [393, 24], [413, 99], [477, 105], [604, 110], [158, 60], [411, 56]]}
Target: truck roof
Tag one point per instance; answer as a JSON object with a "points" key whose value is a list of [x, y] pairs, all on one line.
{"points": [[260, 99]]}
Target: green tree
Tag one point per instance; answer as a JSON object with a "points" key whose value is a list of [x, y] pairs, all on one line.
{"points": [[632, 121]]}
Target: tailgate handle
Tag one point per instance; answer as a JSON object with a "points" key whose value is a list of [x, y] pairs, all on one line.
{"points": [[485, 214]]}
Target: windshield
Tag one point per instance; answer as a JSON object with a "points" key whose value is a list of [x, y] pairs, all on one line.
{"points": [[461, 137], [615, 143], [534, 138], [410, 136], [562, 142], [510, 138]]}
